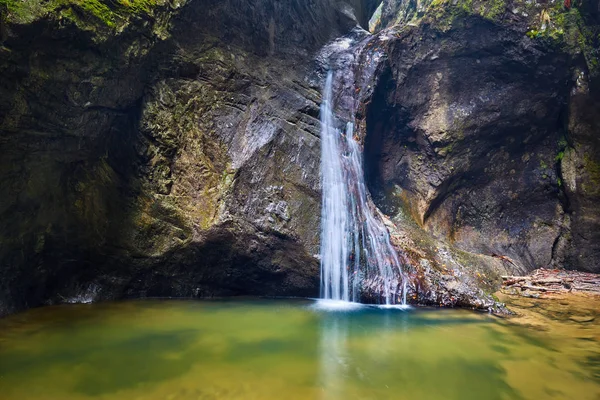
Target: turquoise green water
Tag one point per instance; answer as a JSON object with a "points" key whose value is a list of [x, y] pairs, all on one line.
{"points": [[289, 349]]}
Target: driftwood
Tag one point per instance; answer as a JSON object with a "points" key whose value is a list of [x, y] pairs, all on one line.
{"points": [[540, 288], [553, 281], [505, 259]]}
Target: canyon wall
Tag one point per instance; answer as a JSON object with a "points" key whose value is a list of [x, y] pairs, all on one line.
{"points": [[171, 148]]}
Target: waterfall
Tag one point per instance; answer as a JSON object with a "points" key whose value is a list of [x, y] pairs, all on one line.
{"points": [[335, 224], [356, 252]]}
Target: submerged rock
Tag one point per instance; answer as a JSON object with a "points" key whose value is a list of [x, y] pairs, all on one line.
{"points": [[556, 311]]}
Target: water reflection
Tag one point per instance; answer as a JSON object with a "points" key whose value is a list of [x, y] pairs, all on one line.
{"points": [[349, 357], [296, 350], [335, 358]]}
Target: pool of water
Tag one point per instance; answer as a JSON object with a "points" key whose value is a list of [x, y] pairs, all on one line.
{"points": [[291, 349]]}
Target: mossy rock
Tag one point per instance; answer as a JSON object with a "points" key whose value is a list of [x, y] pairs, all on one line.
{"points": [[571, 30], [108, 13], [592, 169]]}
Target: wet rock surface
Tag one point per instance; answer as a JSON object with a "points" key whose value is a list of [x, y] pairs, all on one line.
{"points": [[468, 142]]}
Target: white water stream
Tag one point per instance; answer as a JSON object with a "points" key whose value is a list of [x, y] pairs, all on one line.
{"points": [[355, 245]]}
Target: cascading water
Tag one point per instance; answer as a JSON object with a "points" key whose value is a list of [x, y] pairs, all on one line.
{"points": [[356, 252], [334, 212]]}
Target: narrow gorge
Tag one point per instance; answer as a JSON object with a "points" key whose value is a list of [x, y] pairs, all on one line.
{"points": [[299, 199], [174, 148]]}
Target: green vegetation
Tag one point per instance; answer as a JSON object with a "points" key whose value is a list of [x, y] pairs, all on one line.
{"points": [[562, 147], [447, 149], [493, 9], [444, 13], [447, 11], [562, 143], [567, 28], [108, 12], [592, 168]]}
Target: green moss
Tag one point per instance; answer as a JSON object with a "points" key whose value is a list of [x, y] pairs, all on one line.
{"points": [[592, 169], [447, 149], [107, 12], [493, 9], [589, 42], [568, 29], [562, 147], [562, 143], [447, 12]]}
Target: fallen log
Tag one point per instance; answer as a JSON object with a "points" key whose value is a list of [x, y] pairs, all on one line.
{"points": [[515, 278], [539, 288], [554, 281], [547, 281]]}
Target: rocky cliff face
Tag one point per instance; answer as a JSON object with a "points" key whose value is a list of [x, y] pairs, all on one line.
{"points": [[171, 148], [475, 132]]}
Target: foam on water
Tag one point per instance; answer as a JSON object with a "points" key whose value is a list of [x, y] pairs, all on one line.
{"points": [[336, 305], [402, 307]]}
